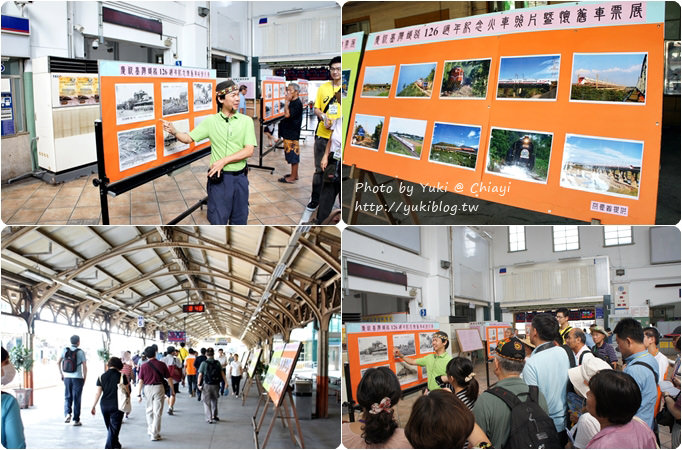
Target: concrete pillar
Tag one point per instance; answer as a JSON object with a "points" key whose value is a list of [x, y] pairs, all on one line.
{"points": [[322, 398]]}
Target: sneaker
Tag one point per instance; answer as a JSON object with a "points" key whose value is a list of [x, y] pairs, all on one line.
{"points": [[67, 419], [210, 421], [312, 205], [77, 423], [216, 419], [155, 438], [170, 411]]}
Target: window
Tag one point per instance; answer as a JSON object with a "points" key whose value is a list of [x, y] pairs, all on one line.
{"points": [[617, 235], [356, 25], [517, 238], [566, 238]]}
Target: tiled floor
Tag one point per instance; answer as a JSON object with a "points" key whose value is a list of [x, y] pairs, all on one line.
{"points": [[77, 202]]}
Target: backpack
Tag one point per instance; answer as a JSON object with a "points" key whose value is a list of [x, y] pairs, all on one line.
{"points": [[658, 388], [213, 372], [70, 361], [530, 425], [175, 372]]}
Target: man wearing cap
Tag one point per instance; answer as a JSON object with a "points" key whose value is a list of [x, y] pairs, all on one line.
{"points": [[436, 364], [601, 348], [232, 138], [587, 425], [490, 412], [547, 368]]}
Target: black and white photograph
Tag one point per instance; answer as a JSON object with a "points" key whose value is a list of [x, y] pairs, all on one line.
{"points": [[424, 372], [136, 147], [406, 373], [197, 121], [373, 349], [425, 343], [174, 97], [268, 91], [404, 343], [134, 102], [282, 90], [276, 107], [203, 96], [268, 109], [170, 143]]}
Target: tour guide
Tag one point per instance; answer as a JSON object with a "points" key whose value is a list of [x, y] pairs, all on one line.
{"points": [[435, 363], [232, 141]]}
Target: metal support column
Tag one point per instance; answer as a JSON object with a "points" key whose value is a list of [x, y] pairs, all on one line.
{"points": [[322, 398]]}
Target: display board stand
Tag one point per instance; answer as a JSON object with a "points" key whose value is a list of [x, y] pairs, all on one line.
{"points": [[113, 189], [247, 387], [281, 411], [262, 151], [363, 178]]}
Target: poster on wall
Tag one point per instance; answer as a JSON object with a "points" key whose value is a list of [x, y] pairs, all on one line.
{"points": [[250, 83], [510, 107], [351, 47], [373, 344], [72, 89], [134, 98]]}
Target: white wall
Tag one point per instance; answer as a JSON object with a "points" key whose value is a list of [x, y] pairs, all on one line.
{"points": [[641, 276]]}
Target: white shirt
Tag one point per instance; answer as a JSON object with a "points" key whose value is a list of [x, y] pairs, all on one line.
{"points": [[235, 369], [663, 364], [223, 360], [583, 431], [335, 149], [587, 356]]}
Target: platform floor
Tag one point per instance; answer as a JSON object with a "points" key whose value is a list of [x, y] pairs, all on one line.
{"points": [[45, 428], [32, 201]]}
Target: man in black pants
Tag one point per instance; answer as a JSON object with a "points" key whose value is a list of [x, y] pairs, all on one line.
{"points": [[197, 363]]}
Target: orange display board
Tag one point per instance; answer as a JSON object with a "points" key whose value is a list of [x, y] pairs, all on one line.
{"points": [[374, 344], [280, 370], [273, 92], [135, 97], [554, 109]]}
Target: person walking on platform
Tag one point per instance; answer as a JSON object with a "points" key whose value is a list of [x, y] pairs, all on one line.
{"points": [[12, 426], [233, 139], [210, 376], [175, 369], [222, 359], [197, 363], [73, 370], [191, 372], [235, 374], [436, 363], [152, 375], [107, 390], [242, 99]]}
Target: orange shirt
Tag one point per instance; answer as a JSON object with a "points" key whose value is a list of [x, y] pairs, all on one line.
{"points": [[189, 365]]}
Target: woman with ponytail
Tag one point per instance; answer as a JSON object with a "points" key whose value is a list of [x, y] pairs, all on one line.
{"points": [[461, 376], [378, 394]]}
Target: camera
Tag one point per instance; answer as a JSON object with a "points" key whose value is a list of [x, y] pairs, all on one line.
{"points": [[95, 44]]}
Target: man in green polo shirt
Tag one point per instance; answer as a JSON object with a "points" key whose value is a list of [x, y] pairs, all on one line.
{"points": [[435, 364], [232, 138]]}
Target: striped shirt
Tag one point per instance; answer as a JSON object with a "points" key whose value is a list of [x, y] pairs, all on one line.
{"points": [[466, 400]]}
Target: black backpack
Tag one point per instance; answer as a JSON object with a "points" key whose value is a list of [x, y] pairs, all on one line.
{"points": [[530, 425], [214, 372], [70, 361]]}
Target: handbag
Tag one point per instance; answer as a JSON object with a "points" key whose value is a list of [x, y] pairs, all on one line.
{"points": [[665, 417], [166, 386], [123, 396]]}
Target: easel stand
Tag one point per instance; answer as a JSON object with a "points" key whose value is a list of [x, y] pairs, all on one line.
{"points": [[113, 189], [281, 411], [362, 177], [262, 151], [247, 387]]}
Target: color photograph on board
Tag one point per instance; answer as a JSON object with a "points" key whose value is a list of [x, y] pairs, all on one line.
{"points": [[528, 77], [377, 81], [455, 144], [519, 154], [602, 165], [465, 79], [416, 80], [609, 77], [367, 131], [405, 137], [345, 79]]}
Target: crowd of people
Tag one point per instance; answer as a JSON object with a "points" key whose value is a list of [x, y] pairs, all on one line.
{"points": [[553, 391], [150, 376]]}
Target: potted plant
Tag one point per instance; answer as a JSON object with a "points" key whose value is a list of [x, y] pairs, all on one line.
{"points": [[22, 360], [104, 355]]}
